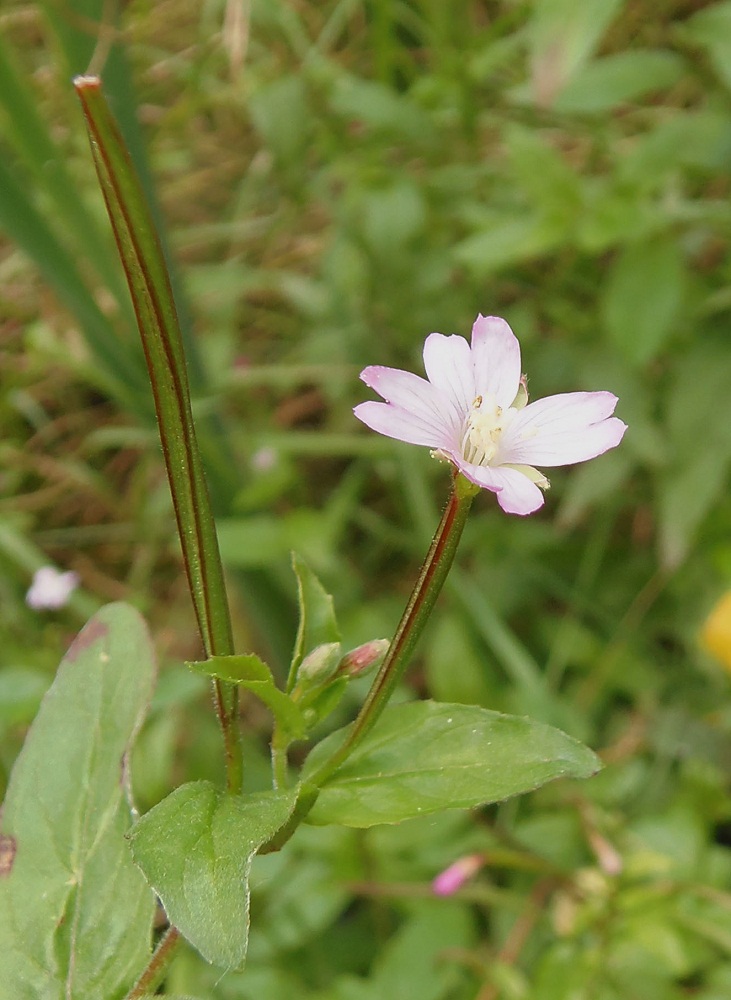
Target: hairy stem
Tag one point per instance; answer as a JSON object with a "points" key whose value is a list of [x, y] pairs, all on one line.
{"points": [[157, 966]]}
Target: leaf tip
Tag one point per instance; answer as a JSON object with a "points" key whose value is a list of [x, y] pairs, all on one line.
{"points": [[82, 82]]}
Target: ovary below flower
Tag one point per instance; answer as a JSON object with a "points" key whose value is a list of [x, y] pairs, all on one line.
{"points": [[474, 412]]}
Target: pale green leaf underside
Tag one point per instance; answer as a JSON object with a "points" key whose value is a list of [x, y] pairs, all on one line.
{"points": [[424, 757], [195, 849], [75, 914]]}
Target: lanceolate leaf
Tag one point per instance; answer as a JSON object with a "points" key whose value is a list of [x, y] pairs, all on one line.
{"points": [[75, 914], [195, 849], [424, 757], [149, 283]]}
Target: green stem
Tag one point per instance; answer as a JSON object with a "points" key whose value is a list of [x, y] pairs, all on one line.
{"points": [[428, 585], [280, 769], [149, 283], [157, 966]]}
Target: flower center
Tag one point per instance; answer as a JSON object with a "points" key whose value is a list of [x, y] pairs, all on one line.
{"points": [[483, 428]]}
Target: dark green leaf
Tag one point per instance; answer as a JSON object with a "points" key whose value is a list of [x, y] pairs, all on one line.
{"points": [[195, 848], [75, 914], [424, 757]]}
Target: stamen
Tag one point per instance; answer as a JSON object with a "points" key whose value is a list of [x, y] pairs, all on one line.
{"points": [[482, 431]]}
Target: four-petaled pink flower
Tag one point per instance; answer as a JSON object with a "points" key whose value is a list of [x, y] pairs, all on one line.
{"points": [[474, 412]]}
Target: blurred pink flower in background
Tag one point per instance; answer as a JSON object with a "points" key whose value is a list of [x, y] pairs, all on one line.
{"points": [[51, 588], [454, 877]]}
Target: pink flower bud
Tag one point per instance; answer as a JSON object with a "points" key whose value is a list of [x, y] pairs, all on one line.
{"points": [[362, 658], [454, 877]]}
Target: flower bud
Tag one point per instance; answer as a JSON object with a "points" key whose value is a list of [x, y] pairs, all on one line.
{"points": [[320, 664], [362, 658], [453, 878]]}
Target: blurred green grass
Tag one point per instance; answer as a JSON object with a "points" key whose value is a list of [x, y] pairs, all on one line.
{"points": [[337, 180]]}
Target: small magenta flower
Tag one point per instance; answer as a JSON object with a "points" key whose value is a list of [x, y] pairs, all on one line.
{"points": [[453, 878], [473, 411], [50, 588]]}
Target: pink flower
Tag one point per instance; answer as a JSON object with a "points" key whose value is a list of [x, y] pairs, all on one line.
{"points": [[51, 588], [474, 412], [453, 878]]}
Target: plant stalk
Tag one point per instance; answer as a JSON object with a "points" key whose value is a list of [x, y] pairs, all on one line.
{"points": [[157, 966], [429, 583], [428, 586]]}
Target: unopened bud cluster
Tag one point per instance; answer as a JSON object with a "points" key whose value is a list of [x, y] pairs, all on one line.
{"points": [[326, 663]]}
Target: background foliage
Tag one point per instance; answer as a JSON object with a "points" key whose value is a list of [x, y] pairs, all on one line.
{"points": [[337, 180]]}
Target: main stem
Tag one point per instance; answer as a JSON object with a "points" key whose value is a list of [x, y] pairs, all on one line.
{"points": [[157, 966], [428, 586]]}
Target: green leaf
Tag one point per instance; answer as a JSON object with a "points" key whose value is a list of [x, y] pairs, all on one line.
{"points": [[379, 108], [195, 848], [21, 690], [545, 176], [392, 217], [75, 914], [643, 296], [31, 137], [711, 29], [317, 623], [697, 409], [423, 757], [322, 701], [619, 79], [149, 283], [117, 369], [563, 35], [280, 113], [250, 672], [506, 240], [418, 961]]}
